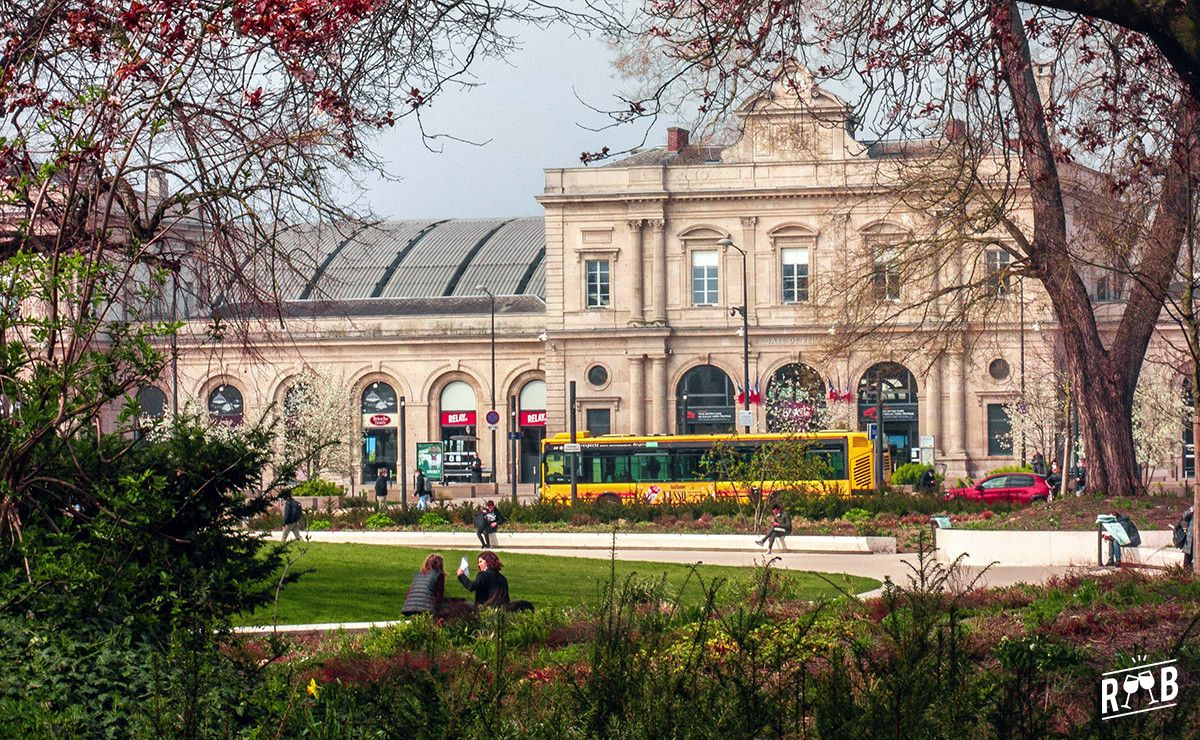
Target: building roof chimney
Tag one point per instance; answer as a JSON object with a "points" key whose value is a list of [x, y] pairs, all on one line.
{"points": [[677, 139]]}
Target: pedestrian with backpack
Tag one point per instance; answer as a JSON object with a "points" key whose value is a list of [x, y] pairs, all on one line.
{"points": [[292, 512]]}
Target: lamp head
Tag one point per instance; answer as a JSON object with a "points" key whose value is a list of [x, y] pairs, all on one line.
{"points": [[725, 242]]}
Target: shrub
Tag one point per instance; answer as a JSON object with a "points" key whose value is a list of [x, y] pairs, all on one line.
{"points": [[909, 474], [431, 519], [318, 487], [378, 520], [1010, 469], [317, 525]]}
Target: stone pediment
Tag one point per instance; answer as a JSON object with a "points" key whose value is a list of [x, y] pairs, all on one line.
{"points": [[795, 121]]}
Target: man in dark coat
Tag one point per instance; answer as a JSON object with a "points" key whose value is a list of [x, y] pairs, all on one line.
{"points": [[381, 481], [487, 523]]}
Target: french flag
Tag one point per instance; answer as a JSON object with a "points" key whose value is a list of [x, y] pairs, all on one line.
{"points": [[756, 394], [741, 396]]}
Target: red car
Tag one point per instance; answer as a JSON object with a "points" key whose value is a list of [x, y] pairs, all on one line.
{"points": [[1016, 488]]}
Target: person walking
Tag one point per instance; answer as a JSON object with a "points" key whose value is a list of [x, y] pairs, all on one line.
{"points": [[381, 488], [1054, 479], [490, 587], [1080, 478], [428, 588], [424, 494], [781, 526], [292, 513], [487, 523]]}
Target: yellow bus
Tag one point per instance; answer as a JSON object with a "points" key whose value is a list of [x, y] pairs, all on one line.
{"points": [[667, 468]]}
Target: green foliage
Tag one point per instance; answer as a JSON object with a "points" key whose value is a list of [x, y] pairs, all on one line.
{"points": [[379, 520], [432, 519], [1010, 469], [317, 487], [857, 516], [130, 583], [318, 525], [909, 474]]}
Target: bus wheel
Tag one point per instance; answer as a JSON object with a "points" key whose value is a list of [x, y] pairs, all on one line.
{"points": [[609, 499]]}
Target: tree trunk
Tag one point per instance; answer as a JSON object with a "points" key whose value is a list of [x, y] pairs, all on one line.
{"points": [[1105, 406]]}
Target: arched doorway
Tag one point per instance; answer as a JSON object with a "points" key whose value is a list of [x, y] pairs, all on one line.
{"points": [[705, 401], [381, 425], [900, 407], [531, 417], [225, 405], [457, 421], [795, 399]]}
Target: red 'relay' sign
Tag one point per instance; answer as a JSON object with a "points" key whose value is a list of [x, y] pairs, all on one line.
{"points": [[381, 420], [458, 418], [533, 418]]}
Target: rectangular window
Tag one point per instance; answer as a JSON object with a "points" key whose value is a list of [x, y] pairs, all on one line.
{"points": [[704, 277], [1108, 288], [885, 281], [795, 275], [599, 421], [999, 428], [997, 262], [597, 283]]}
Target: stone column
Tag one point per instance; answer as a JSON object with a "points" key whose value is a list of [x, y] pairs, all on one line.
{"points": [[931, 408], [955, 423], [637, 395], [637, 266], [660, 395], [658, 293]]}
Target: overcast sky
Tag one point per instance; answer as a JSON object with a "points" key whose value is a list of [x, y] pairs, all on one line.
{"points": [[528, 110]]}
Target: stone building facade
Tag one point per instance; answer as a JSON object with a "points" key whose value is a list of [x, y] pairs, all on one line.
{"points": [[626, 286]]}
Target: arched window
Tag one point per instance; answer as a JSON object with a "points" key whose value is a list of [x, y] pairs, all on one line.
{"points": [[705, 401], [532, 422], [378, 398], [225, 404], [795, 397], [152, 401]]}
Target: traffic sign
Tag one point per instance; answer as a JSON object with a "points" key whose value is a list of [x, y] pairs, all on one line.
{"points": [[492, 418], [571, 447], [872, 431]]}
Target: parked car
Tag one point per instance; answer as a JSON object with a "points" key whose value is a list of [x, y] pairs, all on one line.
{"points": [[1016, 488]]}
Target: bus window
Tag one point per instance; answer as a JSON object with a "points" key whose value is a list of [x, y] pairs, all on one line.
{"points": [[603, 466], [686, 465], [834, 464], [651, 468], [555, 466]]}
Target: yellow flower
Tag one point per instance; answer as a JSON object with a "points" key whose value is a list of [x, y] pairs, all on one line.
{"points": [[313, 689]]}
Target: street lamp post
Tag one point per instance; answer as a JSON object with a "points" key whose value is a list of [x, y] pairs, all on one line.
{"points": [[1021, 408], [743, 310], [492, 303]]}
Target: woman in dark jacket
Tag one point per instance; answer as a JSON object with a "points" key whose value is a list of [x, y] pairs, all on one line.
{"points": [[428, 588], [490, 587]]}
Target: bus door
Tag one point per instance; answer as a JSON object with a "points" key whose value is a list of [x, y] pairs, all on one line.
{"points": [[651, 474]]}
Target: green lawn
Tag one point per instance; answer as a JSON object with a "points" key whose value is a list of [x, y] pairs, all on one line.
{"points": [[358, 583]]}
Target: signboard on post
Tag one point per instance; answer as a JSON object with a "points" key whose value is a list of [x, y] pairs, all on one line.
{"points": [[745, 418], [927, 444], [429, 459], [571, 447], [872, 431]]}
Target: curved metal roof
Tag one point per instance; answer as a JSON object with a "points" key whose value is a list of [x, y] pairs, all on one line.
{"points": [[428, 259]]}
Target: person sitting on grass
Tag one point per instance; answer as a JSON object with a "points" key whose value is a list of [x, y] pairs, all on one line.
{"points": [[428, 588], [781, 526], [490, 587]]}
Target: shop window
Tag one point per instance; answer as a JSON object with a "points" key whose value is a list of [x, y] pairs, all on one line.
{"points": [[999, 429], [225, 404], [597, 283], [704, 277]]}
